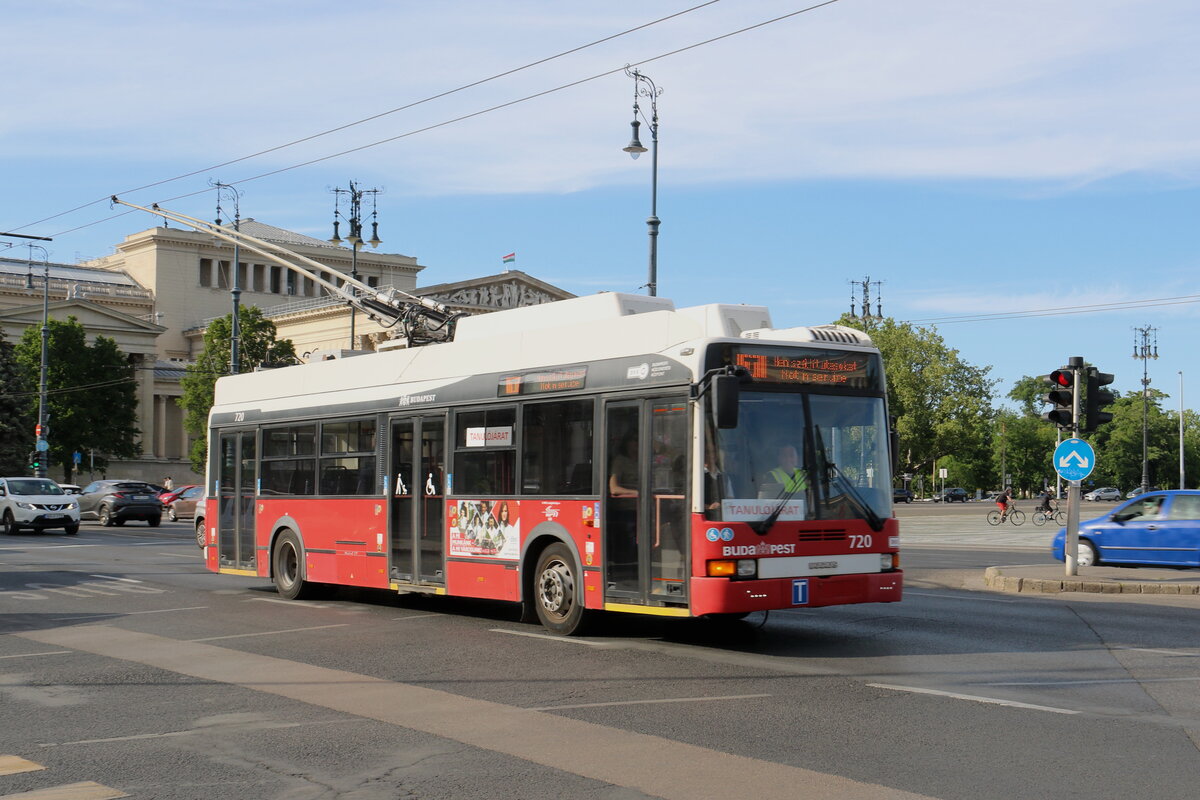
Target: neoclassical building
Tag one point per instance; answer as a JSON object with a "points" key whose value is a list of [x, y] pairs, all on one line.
{"points": [[157, 293]]}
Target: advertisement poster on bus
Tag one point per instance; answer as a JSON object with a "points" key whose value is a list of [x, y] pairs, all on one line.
{"points": [[489, 528]]}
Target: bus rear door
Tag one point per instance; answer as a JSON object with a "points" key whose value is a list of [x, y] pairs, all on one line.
{"points": [[417, 499]]}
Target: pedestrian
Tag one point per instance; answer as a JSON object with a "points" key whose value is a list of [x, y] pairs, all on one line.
{"points": [[168, 484]]}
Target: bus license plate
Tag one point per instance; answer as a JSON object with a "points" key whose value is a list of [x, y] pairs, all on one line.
{"points": [[800, 592]]}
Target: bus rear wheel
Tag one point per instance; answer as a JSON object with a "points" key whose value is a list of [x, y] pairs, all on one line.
{"points": [[287, 567], [557, 595]]}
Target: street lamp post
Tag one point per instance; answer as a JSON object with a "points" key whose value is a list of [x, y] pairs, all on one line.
{"points": [[1181, 483], [43, 427], [1146, 349], [355, 236], [635, 149], [230, 194]]}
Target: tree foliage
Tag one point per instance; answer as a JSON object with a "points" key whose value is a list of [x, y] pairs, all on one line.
{"points": [[258, 347], [91, 393], [943, 404], [16, 420]]}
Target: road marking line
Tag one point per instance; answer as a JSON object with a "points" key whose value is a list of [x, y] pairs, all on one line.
{"points": [[284, 602], [84, 790], [975, 698], [651, 702], [418, 616], [1095, 680], [31, 655], [551, 637], [132, 613], [1162, 652], [115, 578], [268, 633], [12, 765], [653, 765]]}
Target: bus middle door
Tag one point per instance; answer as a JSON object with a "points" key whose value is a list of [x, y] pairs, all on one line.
{"points": [[417, 502]]}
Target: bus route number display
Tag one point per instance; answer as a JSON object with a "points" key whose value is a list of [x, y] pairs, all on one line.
{"points": [[542, 382], [828, 369]]}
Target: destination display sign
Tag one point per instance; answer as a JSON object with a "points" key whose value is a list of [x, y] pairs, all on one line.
{"points": [[817, 368], [542, 382]]}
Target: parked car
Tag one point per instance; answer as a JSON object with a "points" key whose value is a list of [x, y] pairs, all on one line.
{"points": [[183, 506], [1105, 493], [116, 502], [1160, 529], [169, 495], [1135, 491], [901, 496], [69, 488], [36, 503], [954, 495]]}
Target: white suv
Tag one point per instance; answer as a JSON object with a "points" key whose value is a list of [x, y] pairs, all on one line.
{"points": [[37, 503]]}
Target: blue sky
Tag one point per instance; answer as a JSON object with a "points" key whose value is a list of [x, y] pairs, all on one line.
{"points": [[977, 158]]}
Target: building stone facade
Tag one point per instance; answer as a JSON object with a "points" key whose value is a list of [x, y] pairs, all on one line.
{"points": [[157, 292]]}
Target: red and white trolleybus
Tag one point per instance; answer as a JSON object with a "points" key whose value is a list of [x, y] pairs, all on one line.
{"points": [[604, 452]]}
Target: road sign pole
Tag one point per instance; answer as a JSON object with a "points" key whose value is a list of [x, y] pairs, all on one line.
{"points": [[1071, 545]]}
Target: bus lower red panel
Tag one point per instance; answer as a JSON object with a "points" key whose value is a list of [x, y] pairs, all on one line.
{"points": [[345, 539], [724, 595], [482, 580]]}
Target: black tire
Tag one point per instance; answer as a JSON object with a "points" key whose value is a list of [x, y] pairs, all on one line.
{"points": [[201, 533], [120, 523], [72, 529], [171, 515], [558, 591], [287, 567], [993, 517], [154, 522], [10, 525], [1087, 555], [106, 518]]}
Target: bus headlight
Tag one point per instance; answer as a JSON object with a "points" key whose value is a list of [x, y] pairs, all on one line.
{"points": [[747, 568], [889, 561]]}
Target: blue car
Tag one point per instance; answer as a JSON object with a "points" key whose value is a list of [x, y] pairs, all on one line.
{"points": [[1158, 529]]}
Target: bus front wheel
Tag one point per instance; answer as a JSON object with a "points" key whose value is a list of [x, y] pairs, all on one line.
{"points": [[557, 595], [287, 567]]}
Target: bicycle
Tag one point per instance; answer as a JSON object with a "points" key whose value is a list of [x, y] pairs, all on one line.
{"points": [[1042, 517], [1015, 515]]}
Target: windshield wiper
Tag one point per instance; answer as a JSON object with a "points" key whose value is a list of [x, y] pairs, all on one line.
{"points": [[873, 519], [763, 525]]}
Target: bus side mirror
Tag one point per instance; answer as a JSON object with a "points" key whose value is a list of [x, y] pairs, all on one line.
{"points": [[724, 399]]}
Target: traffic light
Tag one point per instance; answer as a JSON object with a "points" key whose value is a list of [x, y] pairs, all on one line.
{"points": [[1062, 397], [1097, 397], [35, 460]]}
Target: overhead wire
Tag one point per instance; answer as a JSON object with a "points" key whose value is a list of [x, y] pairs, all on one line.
{"points": [[434, 126], [379, 115]]}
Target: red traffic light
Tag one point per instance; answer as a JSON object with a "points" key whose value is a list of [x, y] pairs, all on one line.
{"points": [[1062, 377]]}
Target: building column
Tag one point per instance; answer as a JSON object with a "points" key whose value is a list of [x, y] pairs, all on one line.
{"points": [[146, 406]]}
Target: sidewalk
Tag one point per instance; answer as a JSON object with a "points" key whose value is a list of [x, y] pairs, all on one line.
{"points": [[1052, 578]]}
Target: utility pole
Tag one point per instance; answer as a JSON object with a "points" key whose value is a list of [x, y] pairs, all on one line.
{"points": [[1145, 347], [235, 331]]}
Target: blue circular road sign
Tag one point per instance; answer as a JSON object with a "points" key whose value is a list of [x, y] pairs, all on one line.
{"points": [[1074, 459]]}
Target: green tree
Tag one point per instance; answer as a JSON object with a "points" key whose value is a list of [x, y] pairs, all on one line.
{"points": [[942, 403], [1119, 444], [258, 347], [91, 393], [16, 420], [1023, 447]]}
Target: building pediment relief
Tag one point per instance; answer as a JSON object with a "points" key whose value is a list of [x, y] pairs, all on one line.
{"points": [[132, 335], [508, 290]]}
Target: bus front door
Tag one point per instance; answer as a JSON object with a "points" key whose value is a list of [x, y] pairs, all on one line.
{"points": [[417, 502], [235, 500], [646, 511]]}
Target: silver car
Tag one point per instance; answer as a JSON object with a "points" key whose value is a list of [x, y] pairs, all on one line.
{"points": [[1105, 493]]}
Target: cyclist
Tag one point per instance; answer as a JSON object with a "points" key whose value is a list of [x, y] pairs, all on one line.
{"points": [[1045, 505], [1004, 503]]}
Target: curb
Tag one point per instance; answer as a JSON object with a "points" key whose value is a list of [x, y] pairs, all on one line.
{"points": [[994, 578]]}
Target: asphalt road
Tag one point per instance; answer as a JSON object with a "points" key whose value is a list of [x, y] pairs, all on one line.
{"points": [[127, 668]]}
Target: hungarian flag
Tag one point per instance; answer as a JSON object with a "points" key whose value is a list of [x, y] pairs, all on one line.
{"points": [[510, 258]]}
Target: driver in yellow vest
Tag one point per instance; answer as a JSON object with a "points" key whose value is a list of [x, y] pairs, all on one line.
{"points": [[788, 473]]}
